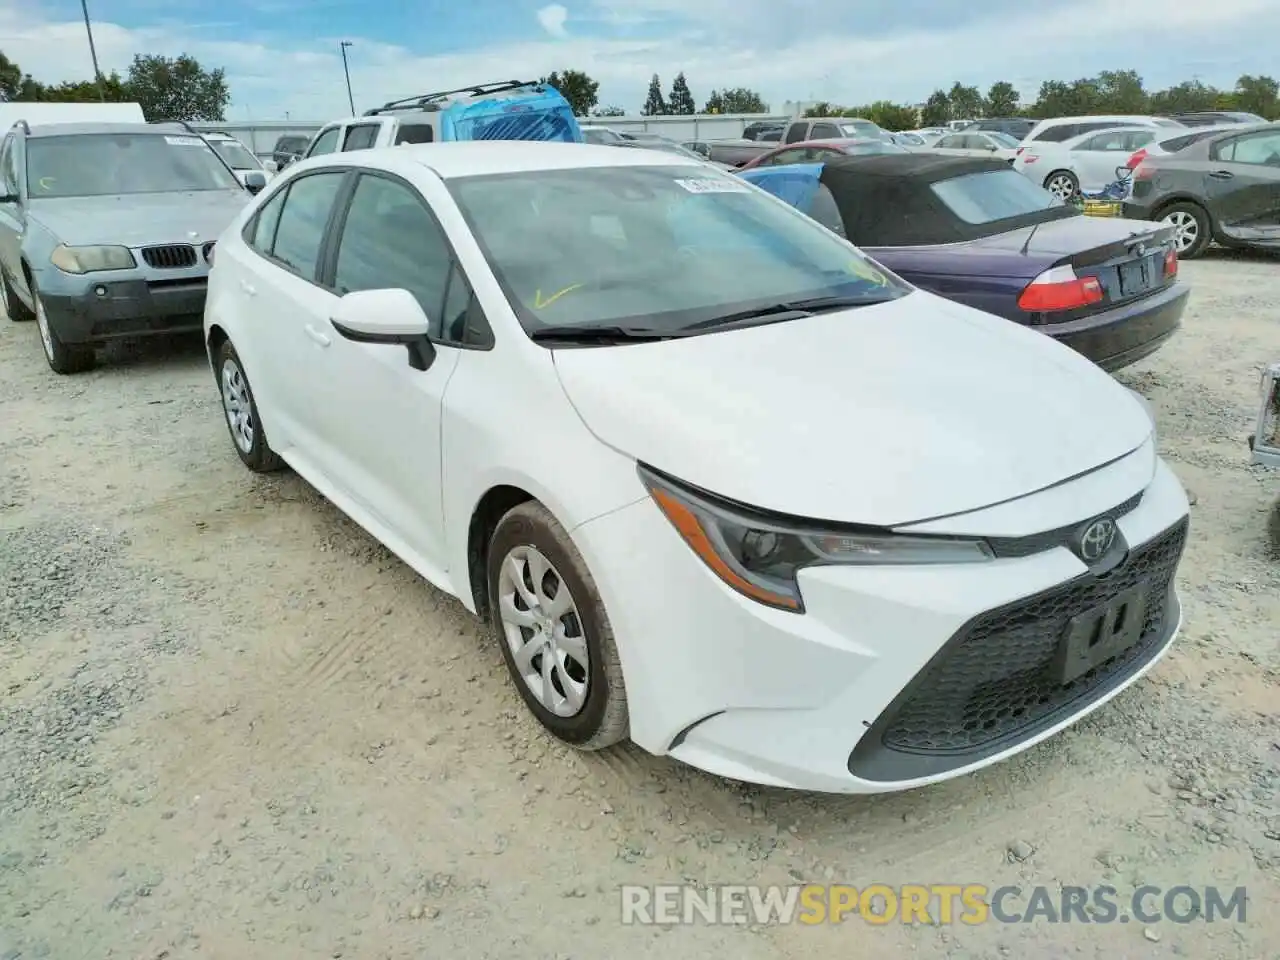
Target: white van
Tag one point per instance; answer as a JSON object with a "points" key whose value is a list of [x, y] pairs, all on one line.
{"points": [[42, 113]]}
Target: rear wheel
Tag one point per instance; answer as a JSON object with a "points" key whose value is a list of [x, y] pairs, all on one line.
{"points": [[15, 308], [1062, 184], [1191, 228]]}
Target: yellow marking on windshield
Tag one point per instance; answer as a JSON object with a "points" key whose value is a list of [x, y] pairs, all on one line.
{"points": [[864, 270], [539, 303]]}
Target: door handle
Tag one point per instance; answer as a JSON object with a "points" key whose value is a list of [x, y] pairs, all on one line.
{"points": [[1222, 174], [317, 336], [248, 288]]}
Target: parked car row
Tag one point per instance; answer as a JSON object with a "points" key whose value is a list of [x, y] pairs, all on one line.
{"points": [[954, 538]]}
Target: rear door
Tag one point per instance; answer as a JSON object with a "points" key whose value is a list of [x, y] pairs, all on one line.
{"points": [[1243, 185], [1096, 158]]}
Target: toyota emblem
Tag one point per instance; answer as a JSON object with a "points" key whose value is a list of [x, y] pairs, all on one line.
{"points": [[1097, 539]]}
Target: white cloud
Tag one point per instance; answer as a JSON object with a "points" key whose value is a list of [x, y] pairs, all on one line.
{"points": [[1052, 39], [552, 18]]}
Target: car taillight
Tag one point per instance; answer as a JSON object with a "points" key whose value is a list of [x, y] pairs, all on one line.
{"points": [[1143, 172], [1136, 159], [1059, 289], [1019, 153], [1171, 262]]}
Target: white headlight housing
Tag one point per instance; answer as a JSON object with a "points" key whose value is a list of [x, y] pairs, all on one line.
{"points": [[91, 259]]}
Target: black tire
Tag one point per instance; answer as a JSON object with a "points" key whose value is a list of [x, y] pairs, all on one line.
{"points": [[251, 443], [15, 308], [1067, 177], [1203, 226], [602, 720], [64, 358]]}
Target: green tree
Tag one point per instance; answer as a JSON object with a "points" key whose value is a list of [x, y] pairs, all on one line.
{"points": [[893, 116], [742, 100], [1260, 95], [609, 111], [10, 78], [824, 108], [178, 88], [1186, 97], [937, 110], [1059, 98], [1002, 100], [113, 90], [654, 105], [966, 102], [576, 87], [680, 100], [1120, 91]]}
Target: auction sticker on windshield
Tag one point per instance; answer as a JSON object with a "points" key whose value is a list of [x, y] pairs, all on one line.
{"points": [[184, 141], [714, 185]]}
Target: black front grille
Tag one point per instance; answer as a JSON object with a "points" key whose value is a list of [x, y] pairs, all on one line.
{"points": [[171, 256], [993, 683]]}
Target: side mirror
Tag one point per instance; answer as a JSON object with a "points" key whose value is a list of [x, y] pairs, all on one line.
{"points": [[391, 316], [255, 180]]}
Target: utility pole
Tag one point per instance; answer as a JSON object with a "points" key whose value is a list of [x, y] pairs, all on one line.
{"points": [[342, 45], [93, 51]]}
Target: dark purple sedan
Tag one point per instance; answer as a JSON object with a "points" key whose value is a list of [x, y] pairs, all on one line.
{"points": [[974, 231]]}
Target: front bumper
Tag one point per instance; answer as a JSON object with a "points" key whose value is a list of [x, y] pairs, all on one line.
{"points": [[1116, 338], [95, 308], [894, 677]]}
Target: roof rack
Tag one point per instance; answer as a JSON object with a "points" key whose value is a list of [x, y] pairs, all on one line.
{"points": [[422, 99]]}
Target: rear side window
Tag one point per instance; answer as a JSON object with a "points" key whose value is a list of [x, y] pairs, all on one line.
{"points": [[796, 132], [1260, 148], [993, 195], [360, 137], [301, 225], [823, 209], [415, 133], [825, 131], [1063, 131]]}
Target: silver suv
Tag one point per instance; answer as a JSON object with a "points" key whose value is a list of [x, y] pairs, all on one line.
{"points": [[107, 231]]}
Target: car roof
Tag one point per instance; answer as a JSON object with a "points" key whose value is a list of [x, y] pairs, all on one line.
{"points": [[82, 129], [463, 158], [829, 142]]}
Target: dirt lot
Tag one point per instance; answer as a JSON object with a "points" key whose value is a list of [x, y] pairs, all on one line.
{"points": [[233, 726]]}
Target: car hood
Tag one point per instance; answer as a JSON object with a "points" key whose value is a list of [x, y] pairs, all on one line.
{"points": [[140, 219], [885, 415], [1015, 254]]}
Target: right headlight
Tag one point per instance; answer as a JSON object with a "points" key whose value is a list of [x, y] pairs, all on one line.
{"points": [[91, 259], [760, 557]]}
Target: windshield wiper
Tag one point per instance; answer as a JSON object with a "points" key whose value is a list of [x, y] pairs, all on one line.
{"points": [[790, 310], [570, 333]]}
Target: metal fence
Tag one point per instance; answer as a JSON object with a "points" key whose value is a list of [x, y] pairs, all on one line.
{"points": [[260, 136]]}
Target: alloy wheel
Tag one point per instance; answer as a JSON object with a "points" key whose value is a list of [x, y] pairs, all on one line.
{"points": [[1061, 186], [1186, 230], [42, 322], [238, 406], [543, 629]]}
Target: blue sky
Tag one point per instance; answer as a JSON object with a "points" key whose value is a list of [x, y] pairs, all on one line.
{"points": [[281, 56]]}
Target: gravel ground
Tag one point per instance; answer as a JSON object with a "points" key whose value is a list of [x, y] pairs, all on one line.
{"points": [[233, 726]]}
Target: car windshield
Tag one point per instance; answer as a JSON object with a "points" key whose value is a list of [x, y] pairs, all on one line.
{"points": [[859, 128], [663, 248], [237, 157], [110, 164], [991, 195], [665, 146], [1003, 139]]}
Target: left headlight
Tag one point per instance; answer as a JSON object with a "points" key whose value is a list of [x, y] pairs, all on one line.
{"points": [[760, 557], [91, 259]]}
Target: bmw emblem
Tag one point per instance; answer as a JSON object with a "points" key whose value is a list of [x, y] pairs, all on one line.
{"points": [[1097, 538]]}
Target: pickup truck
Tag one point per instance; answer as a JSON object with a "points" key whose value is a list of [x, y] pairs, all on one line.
{"points": [[832, 128]]}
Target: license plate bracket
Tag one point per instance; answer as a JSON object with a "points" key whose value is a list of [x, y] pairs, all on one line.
{"points": [[1097, 635], [1134, 277]]}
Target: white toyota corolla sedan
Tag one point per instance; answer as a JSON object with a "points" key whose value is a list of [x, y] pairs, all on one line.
{"points": [[717, 482]]}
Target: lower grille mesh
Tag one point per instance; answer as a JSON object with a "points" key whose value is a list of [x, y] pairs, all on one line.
{"points": [[996, 677]]}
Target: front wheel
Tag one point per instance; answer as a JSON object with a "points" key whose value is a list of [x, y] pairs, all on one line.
{"points": [[1062, 184], [554, 632], [241, 411], [63, 358], [1191, 228], [15, 308]]}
